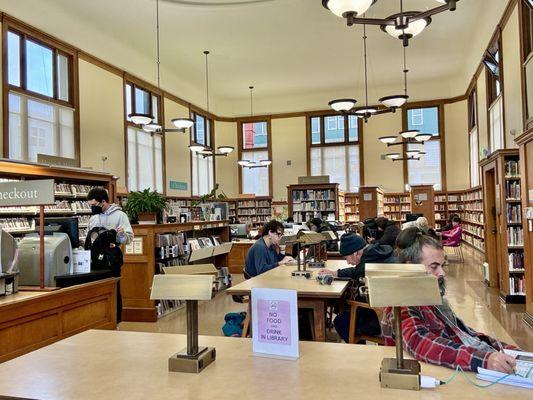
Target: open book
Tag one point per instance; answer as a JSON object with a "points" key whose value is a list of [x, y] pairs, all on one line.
{"points": [[522, 377]]}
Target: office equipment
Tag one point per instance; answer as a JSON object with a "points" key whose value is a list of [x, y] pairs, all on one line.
{"points": [[65, 225], [8, 253], [238, 231], [57, 258]]}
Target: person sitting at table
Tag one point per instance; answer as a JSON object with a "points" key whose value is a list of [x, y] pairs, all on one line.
{"points": [[358, 252], [387, 231], [434, 334], [265, 254], [317, 225], [452, 236]]}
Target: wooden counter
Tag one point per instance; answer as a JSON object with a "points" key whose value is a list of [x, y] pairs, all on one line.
{"points": [[132, 365], [30, 320]]}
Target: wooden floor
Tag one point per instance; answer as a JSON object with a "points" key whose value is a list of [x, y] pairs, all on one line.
{"points": [[479, 306]]}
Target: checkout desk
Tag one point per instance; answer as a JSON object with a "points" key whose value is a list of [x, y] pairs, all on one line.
{"points": [[132, 365]]}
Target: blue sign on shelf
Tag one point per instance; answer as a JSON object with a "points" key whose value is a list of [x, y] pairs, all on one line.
{"points": [[175, 185]]}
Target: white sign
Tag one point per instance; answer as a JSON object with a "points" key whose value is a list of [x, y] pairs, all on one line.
{"points": [[275, 322], [81, 261], [367, 197], [27, 193], [135, 247]]}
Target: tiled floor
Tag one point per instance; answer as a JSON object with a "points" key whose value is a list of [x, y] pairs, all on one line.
{"points": [[479, 306]]}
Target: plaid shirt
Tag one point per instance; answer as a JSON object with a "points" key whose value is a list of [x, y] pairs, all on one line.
{"points": [[429, 337]]}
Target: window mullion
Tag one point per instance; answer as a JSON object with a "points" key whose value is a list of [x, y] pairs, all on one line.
{"points": [[25, 133], [57, 131]]}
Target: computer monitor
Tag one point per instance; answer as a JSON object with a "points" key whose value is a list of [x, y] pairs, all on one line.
{"points": [[238, 230], [65, 225], [412, 217], [8, 249]]}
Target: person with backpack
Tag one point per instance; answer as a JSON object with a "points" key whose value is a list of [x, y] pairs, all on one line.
{"points": [[109, 227]]}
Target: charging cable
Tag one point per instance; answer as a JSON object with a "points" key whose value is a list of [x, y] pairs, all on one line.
{"points": [[428, 382]]}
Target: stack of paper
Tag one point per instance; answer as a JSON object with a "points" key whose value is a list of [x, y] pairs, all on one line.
{"points": [[523, 376]]}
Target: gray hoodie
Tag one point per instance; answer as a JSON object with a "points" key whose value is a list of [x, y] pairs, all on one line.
{"points": [[112, 218]]}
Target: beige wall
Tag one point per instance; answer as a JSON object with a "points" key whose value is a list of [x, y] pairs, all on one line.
{"points": [[482, 112], [177, 153], [102, 120], [288, 144], [512, 80], [227, 170], [456, 138], [1, 108], [385, 173]]}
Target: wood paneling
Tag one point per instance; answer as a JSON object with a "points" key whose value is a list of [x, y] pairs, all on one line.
{"points": [[237, 256], [425, 207]]}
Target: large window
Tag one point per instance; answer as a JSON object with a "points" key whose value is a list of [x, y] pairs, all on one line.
{"points": [[526, 10], [427, 170], [42, 111], [144, 149], [255, 146], [494, 95], [335, 150], [473, 138], [202, 168]]}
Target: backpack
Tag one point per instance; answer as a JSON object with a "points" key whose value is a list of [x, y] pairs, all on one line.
{"points": [[233, 324], [103, 255]]}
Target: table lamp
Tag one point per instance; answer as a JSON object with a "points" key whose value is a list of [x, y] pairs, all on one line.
{"points": [[400, 285], [305, 239], [190, 288]]}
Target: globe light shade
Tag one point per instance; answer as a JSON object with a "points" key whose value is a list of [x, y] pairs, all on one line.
{"points": [[412, 153], [393, 156], [152, 127], [403, 26], [423, 137], [206, 152], [388, 139], [342, 8], [243, 163], [196, 148], [183, 123], [342, 104], [394, 101], [265, 163], [140, 119], [225, 149], [409, 134], [367, 110]]}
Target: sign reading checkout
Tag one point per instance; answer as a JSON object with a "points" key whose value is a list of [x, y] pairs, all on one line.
{"points": [[27, 193]]}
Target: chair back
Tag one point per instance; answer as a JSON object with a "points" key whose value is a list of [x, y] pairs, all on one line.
{"points": [[246, 274]]}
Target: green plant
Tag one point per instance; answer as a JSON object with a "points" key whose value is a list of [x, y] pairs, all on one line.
{"points": [[144, 202], [212, 195]]}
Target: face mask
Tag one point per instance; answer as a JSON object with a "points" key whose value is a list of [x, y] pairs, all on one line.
{"points": [[95, 209]]}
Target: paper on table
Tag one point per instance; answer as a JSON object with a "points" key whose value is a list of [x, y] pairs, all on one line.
{"points": [[522, 378]]}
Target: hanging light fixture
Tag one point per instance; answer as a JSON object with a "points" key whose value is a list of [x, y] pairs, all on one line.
{"points": [[140, 119], [342, 104], [423, 137], [392, 156], [196, 148], [365, 112], [396, 101], [404, 25], [412, 153], [248, 163], [410, 134], [388, 139]]}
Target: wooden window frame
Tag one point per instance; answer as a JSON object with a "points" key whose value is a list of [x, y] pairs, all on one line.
{"points": [[472, 123], [525, 16], [212, 143], [57, 47]]}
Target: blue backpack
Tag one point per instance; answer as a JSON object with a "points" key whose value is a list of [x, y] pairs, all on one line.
{"points": [[233, 325]]}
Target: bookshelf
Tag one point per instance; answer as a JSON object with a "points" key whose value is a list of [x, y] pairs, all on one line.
{"points": [[472, 217], [423, 202], [371, 202], [307, 201], [351, 207], [396, 206], [253, 210]]}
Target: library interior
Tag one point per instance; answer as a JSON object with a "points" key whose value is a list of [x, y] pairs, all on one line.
{"points": [[332, 198]]}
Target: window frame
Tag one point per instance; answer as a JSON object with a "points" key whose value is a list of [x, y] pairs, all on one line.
{"points": [[359, 142], [154, 92], [441, 137], [193, 113], [242, 151], [58, 48], [473, 124], [494, 83], [525, 15]]}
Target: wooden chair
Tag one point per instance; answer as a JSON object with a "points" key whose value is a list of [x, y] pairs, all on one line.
{"points": [[353, 337]]}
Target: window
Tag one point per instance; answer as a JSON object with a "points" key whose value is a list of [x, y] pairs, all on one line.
{"points": [[144, 149], [203, 168], [526, 8], [337, 152], [496, 125], [472, 110], [474, 158], [40, 102], [255, 146], [494, 71], [427, 170]]}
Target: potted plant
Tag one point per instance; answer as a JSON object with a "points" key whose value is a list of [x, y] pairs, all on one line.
{"points": [[145, 205], [202, 201]]}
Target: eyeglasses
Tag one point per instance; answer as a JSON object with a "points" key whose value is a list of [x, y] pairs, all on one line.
{"points": [[279, 234]]}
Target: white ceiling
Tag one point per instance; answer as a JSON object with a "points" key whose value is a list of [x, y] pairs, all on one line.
{"points": [[296, 53]]}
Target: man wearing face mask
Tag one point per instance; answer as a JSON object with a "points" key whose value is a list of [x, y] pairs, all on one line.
{"points": [[435, 334], [108, 215]]}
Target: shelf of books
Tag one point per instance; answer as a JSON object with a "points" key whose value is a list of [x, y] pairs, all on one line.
{"points": [[351, 207], [396, 206], [472, 218], [307, 201], [253, 210]]}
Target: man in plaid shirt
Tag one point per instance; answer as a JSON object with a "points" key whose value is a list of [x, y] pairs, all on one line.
{"points": [[434, 334]]}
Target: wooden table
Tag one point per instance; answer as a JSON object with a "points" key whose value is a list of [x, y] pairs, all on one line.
{"points": [[311, 294], [132, 365]]}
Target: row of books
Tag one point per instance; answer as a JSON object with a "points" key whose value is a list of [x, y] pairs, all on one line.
{"points": [[476, 217], [72, 189], [474, 241], [298, 195], [474, 230], [515, 236], [512, 190], [315, 206], [516, 260], [304, 217], [255, 219], [201, 242], [514, 213], [512, 169], [388, 208], [516, 285], [476, 195], [16, 224], [171, 245]]}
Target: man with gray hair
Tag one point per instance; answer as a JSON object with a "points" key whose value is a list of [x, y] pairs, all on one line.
{"points": [[434, 334]]}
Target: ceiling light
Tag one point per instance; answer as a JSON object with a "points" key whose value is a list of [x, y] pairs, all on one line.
{"points": [[344, 8], [183, 123], [451, 3], [140, 119], [225, 149], [388, 139], [412, 153], [366, 111], [196, 148], [394, 101], [404, 28], [342, 104], [152, 127], [409, 134], [423, 137], [265, 163], [206, 152], [243, 163], [392, 156]]}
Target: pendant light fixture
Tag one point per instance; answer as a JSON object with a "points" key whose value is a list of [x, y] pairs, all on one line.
{"points": [[396, 101], [148, 122], [202, 150], [404, 25], [365, 112], [248, 163]]}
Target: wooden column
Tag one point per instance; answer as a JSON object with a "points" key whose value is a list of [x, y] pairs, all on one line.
{"points": [[423, 202]]}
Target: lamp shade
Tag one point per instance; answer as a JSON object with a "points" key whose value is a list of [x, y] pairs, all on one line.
{"points": [[409, 134], [265, 163], [207, 151], [423, 137], [403, 25], [342, 104], [394, 101], [152, 127], [183, 123], [392, 156], [341, 8], [366, 110], [388, 139], [140, 119], [243, 163], [225, 149], [412, 153], [195, 147]]}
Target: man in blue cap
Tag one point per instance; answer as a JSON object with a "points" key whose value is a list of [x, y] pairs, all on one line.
{"points": [[357, 253]]}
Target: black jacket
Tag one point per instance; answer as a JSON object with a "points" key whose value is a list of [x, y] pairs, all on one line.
{"points": [[389, 235], [375, 253], [331, 245]]}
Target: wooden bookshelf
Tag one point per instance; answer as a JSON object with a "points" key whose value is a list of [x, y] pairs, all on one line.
{"points": [[307, 201], [423, 202], [253, 210], [472, 218], [396, 206], [351, 205], [371, 202]]}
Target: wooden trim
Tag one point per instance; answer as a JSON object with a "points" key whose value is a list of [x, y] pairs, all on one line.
{"points": [[404, 148], [442, 135], [161, 109], [507, 13], [361, 141], [5, 92], [126, 172], [270, 156], [307, 145]]}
